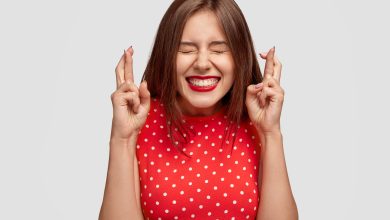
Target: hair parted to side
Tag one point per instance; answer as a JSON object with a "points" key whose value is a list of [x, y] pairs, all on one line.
{"points": [[160, 72]]}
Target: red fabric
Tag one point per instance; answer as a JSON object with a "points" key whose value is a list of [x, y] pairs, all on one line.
{"points": [[212, 184]]}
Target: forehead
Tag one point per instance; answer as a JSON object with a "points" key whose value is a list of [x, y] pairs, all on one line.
{"points": [[203, 26]]}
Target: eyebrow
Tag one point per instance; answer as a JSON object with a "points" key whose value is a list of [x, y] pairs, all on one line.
{"points": [[189, 43]]}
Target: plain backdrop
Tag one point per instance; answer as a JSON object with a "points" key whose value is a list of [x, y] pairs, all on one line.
{"points": [[57, 61]]}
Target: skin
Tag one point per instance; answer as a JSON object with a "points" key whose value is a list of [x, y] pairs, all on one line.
{"points": [[130, 108], [203, 52]]}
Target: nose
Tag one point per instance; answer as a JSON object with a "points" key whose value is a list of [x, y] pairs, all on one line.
{"points": [[202, 62]]}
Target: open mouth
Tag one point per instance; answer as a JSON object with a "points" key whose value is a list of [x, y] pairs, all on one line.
{"points": [[203, 84]]}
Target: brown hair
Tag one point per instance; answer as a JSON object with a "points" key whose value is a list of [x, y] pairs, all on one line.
{"points": [[160, 72]]}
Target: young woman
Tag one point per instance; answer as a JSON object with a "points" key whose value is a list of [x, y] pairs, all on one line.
{"points": [[202, 140]]}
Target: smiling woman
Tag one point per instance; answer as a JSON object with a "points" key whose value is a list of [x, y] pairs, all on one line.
{"points": [[203, 139]]}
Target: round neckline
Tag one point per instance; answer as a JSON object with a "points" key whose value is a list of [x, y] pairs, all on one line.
{"points": [[191, 118]]}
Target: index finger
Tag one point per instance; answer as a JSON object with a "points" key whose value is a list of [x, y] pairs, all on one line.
{"points": [[129, 64]]}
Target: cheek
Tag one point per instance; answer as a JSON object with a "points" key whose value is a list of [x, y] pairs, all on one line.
{"points": [[182, 64], [225, 64]]}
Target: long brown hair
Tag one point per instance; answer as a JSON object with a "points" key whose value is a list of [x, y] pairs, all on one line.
{"points": [[160, 72]]}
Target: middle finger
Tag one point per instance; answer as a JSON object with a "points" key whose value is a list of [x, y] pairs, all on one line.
{"points": [[269, 63]]}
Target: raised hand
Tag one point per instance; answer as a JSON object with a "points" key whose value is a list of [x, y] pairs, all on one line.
{"points": [[264, 101], [130, 103]]}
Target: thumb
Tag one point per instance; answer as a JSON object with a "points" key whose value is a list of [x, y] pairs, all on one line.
{"points": [[252, 90], [144, 95]]}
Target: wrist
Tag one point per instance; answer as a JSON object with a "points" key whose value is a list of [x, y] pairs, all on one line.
{"points": [[124, 142]]}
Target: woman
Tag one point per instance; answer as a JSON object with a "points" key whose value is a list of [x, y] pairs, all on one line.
{"points": [[203, 140]]}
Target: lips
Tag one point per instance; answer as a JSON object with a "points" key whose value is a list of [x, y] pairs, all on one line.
{"points": [[203, 83]]}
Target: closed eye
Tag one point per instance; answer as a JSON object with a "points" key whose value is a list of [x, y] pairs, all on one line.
{"points": [[187, 51]]}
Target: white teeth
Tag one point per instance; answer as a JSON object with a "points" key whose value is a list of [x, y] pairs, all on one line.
{"points": [[205, 82]]}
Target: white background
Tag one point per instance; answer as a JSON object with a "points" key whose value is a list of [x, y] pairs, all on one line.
{"points": [[57, 61]]}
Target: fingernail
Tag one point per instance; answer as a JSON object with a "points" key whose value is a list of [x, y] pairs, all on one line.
{"points": [[258, 85]]}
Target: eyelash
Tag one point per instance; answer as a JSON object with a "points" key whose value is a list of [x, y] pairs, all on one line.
{"points": [[192, 51]]}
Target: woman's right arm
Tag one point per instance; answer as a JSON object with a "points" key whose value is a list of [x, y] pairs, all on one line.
{"points": [[130, 109], [120, 200]]}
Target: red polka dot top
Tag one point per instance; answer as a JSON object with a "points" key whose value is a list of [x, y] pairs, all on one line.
{"points": [[214, 181]]}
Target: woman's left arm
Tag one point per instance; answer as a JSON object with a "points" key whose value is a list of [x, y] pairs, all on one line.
{"points": [[264, 102], [276, 198]]}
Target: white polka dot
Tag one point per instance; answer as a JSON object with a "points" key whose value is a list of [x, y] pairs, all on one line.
{"points": [[167, 164], [160, 140], [205, 166], [213, 158], [228, 156], [198, 175], [193, 216], [199, 133], [205, 152], [215, 187], [198, 160], [242, 209], [173, 201], [234, 202], [183, 209], [206, 181], [226, 211], [229, 170], [173, 185], [217, 204], [225, 194], [231, 185], [165, 194], [208, 197], [222, 179], [242, 192], [191, 199], [145, 155], [182, 192], [157, 202], [209, 213], [146, 140], [190, 183], [166, 211], [200, 206], [198, 190]]}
